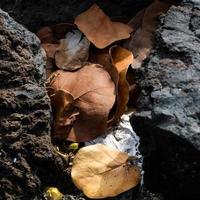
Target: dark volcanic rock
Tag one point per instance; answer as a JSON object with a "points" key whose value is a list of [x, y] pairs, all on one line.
{"points": [[27, 158], [168, 120]]}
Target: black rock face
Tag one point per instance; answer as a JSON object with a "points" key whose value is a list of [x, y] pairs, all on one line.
{"points": [[168, 120]]}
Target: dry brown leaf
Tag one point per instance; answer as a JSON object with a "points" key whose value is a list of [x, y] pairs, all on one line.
{"points": [[136, 21], [103, 58], [116, 61], [83, 115], [60, 30], [100, 171], [121, 58], [99, 29], [46, 35], [50, 49], [51, 34], [70, 53], [73, 51], [141, 40], [50, 67]]}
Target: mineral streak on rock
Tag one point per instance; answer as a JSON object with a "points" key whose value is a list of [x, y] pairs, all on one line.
{"points": [[27, 157], [169, 106]]}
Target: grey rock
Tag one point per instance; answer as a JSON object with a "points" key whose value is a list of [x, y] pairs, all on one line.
{"points": [[75, 197], [144, 194], [168, 117]]}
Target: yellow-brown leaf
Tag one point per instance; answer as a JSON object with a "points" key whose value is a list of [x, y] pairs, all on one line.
{"points": [[100, 171]]}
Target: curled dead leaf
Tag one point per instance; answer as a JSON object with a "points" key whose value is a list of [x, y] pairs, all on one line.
{"points": [[81, 101], [73, 51], [100, 171], [116, 61], [46, 35], [141, 40], [99, 29], [121, 58]]}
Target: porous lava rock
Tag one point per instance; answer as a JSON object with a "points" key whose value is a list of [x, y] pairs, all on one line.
{"points": [[168, 117], [28, 161]]}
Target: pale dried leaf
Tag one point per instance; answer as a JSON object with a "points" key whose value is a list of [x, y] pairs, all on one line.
{"points": [[100, 171], [73, 51], [99, 29]]}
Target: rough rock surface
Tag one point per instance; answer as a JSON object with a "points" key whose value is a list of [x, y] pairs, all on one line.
{"points": [[27, 158], [168, 120], [34, 14]]}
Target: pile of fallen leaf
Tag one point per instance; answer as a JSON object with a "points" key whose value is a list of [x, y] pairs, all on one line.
{"points": [[90, 81]]}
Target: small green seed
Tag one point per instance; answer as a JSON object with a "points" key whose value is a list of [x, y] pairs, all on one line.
{"points": [[73, 146]]}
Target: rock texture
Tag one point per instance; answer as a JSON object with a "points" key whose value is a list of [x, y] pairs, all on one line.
{"points": [[27, 158], [168, 120]]}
